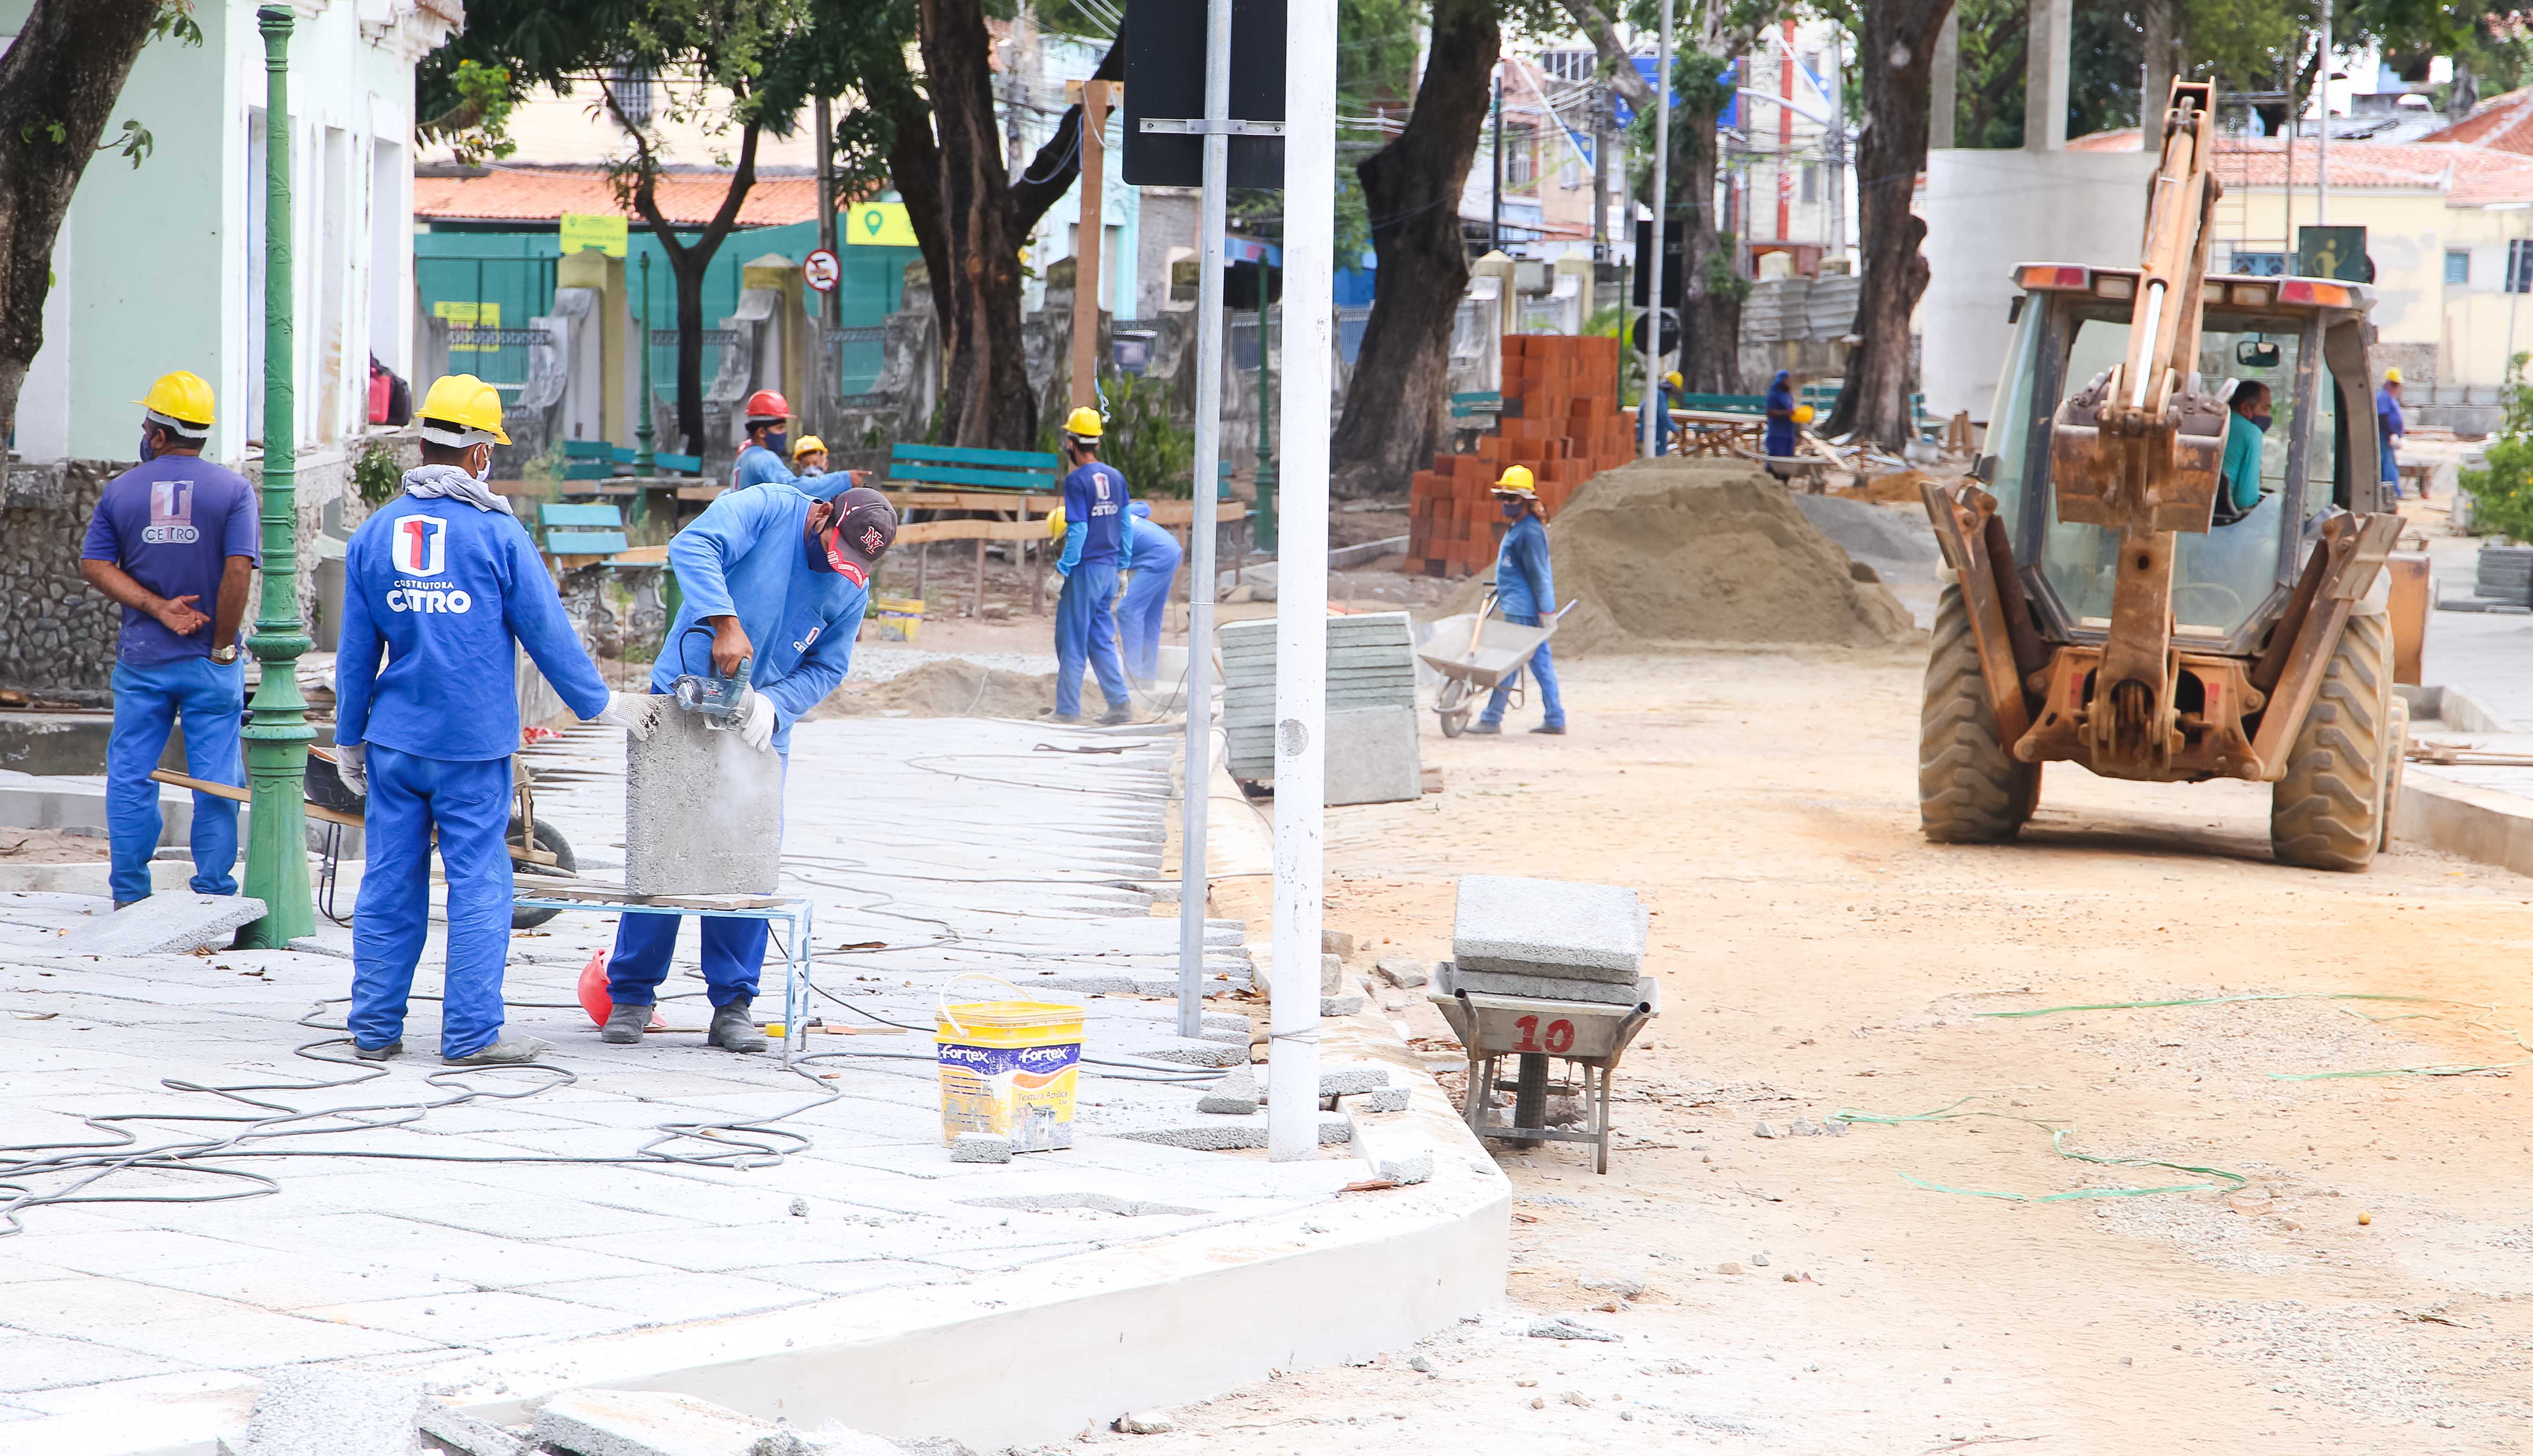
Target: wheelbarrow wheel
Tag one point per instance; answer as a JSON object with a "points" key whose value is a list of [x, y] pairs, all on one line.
{"points": [[550, 840], [1451, 705]]}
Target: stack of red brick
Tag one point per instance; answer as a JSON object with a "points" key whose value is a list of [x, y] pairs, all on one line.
{"points": [[1560, 418]]}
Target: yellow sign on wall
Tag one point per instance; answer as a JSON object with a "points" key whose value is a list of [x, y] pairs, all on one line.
{"points": [[879, 225], [602, 231], [468, 313]]}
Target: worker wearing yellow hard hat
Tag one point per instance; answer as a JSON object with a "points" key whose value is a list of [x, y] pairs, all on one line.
{"points": [[1094, 544], [809, 457], [1526, 590], [2389, 427], [174, 541], [1672, 395], [441, 589]]}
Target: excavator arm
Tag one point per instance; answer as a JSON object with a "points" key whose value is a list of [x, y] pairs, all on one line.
{"points": [[2137, 450]]}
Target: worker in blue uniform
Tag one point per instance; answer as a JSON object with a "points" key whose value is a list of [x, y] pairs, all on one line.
{"points": [[768, 423], [1095, 533], [1153, 556], [170, 535], [781, 582], [1526, 590], [443, 584], [1779, 406]]}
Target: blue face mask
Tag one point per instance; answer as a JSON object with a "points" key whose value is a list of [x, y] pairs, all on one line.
{"points": [[146, 453], [2260, 421], [1514, 511], [775, 439]]}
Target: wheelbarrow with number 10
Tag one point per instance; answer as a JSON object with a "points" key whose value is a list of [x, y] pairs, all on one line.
{"points": [[1478, 653]]}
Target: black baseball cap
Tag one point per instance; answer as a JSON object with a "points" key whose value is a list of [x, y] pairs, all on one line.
{"points": [[864, 525]]}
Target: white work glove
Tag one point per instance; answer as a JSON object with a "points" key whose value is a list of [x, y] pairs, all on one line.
{"points": [[1055, 583], [635, 713], [754, 721], [351, 764]]}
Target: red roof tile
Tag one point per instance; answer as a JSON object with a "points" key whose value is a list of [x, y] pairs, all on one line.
{"points": [[544, 195], [2467, 175], [2504, 121]]}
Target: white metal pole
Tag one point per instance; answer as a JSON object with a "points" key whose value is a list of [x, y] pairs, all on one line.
{"points": [[2322, 146], [1302, 571], [1194, 881], [1651, 429]]}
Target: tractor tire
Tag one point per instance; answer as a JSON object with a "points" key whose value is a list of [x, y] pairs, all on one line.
{"points": [[2328, 811], [2400, 749], [1970, 790]]}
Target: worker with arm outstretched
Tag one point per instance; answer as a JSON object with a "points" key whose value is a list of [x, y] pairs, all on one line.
{"points": [[1526, 590], [442, 587], [781, 582]]}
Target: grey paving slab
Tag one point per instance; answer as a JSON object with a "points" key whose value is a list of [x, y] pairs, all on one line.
{"points": [[335, 1412], [1548, 927], [165, 924], [671, 1299], [1538, 987], [465, 1318], [298, 1283], [47, 1361]]}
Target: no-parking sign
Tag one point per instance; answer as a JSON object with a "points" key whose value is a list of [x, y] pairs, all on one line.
{"points": [[821, 270]]}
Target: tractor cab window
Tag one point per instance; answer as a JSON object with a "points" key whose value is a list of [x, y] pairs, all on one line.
{"points": [[2221, 576]]}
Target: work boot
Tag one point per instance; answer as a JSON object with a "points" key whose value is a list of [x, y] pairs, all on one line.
{"points": [[394, 1048], [1557, 728], [1483, 727], [624, 1024], [734, 1030], [1067, 718], [1116, 716], [509, 1051]]}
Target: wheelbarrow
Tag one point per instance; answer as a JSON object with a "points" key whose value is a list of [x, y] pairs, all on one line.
{"points": [[1478, 653]]}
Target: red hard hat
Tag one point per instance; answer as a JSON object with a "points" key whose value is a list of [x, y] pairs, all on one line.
{"points": [[767, 405]]}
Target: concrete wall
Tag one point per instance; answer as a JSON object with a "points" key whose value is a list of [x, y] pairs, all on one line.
{"points": [[1988, 210]]}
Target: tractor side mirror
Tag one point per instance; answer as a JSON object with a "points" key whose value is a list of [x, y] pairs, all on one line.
{"points": [[2256, 354], [1984, 472]]}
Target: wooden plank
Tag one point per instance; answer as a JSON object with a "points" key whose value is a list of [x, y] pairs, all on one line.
{"points": [[588, 469], [963, 456], [231, 791], [968, 500], [641, 555], [555, 515], [699, 493], [947, 475], [1183, 512], [918, 532]]}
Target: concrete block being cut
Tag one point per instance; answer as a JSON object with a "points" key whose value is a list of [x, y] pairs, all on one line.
{"points": [[1372, 756], [166, 925], [703, 812], [1548, 927], [308, 1411]]}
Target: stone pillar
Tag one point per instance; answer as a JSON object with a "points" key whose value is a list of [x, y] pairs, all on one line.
{"points": [[1944, 72], [2045, 77], [611, 335]]}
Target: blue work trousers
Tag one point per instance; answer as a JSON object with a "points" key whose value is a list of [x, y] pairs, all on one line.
{"points": [[734, 954], [1139, 621], [211, 699], [1542, 668], [1085, 626], [469, 800], [2390, 464]]}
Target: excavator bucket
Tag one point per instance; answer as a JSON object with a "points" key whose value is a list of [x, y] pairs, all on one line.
{"points": [[2112, 469]]}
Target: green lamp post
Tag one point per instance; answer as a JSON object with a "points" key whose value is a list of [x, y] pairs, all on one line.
{"points": [[277, 738], [644, 462]]}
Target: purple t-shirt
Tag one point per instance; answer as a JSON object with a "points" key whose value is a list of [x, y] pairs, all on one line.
{"points": [[172, 525]]}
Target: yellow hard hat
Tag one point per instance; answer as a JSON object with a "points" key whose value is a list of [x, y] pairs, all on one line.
{"points": [[1083, 424], [1673, 379], [1055, 524], [807, 444], [1803, 414], [462, 410], [181, 401], [2390, 376], [1517, 480]]}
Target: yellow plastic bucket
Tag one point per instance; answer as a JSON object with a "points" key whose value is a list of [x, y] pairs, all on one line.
{"points": [[1009, 1067], [901, 618]]}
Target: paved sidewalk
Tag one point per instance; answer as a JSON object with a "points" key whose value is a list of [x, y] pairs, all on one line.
{"points": [[611, 1214]]}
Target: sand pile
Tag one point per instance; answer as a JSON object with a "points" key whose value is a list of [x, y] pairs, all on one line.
{"points": [[950, 687], [1682, 552]]}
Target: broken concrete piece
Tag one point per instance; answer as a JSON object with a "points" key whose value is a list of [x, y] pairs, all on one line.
{"points": [[1400, 972], [644, 1422], [1337, 943], [1340, 1006], [1346, 1080], [1332, 975], [1149, 1423], [980, 1148], [1379, 1099], [1542, 988], [1548, 927], [166, 925], [455, 1431], [310, 1410], [1235, 1094], [703, 812]]}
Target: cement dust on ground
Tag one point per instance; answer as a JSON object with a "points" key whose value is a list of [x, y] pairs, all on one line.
{"points": [[1817, 954]]}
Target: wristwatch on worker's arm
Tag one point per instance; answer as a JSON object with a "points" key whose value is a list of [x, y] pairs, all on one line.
{"points": [[224, 655]]}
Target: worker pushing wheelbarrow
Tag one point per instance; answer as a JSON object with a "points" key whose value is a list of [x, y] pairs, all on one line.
{"points": [[1479, 652]]}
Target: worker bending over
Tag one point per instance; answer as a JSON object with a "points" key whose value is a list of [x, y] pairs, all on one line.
{"points": [[1153, 556], [170, 533], [1526, 590], [1086, 621], [1674, 395], [444, 583], [780, 581]]}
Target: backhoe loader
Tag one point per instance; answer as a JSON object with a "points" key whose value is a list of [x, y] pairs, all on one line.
{"points": [[2104, 606]]}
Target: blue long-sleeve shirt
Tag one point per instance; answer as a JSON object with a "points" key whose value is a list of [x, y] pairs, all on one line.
{"points": [[441, 590], [748, 556], [756, 466], [1525, 586], [1149, 548], [1094, 513]]}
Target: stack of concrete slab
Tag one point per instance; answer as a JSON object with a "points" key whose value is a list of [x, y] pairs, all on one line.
{"points": [[1546, 940], [1370, 747]]}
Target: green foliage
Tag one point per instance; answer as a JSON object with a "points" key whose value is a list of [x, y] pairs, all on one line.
{"points": [[2502, 496], [176, 18], [476, 124], [377, 477], [1144, 441], [134, 143]]}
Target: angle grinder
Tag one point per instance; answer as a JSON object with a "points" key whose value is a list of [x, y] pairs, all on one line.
{"points": [[716, 699]]}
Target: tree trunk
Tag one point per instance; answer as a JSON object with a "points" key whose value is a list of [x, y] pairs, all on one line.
{"points": [[985, 393], [688, 262], [1896, 56], [66, 69], [1394, 404], [1711, 291]]}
